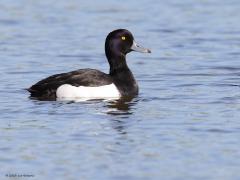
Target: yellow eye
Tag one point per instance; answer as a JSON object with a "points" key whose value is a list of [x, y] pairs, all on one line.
{"points": [[123, 38]]}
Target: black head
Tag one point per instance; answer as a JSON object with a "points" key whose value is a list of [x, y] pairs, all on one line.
{"points": [[120, 42]]}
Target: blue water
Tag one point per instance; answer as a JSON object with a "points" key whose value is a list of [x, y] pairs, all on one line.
{"points": [[185, 123]]}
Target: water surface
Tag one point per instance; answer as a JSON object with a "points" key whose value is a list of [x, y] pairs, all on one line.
{"points": [[183, 125]]}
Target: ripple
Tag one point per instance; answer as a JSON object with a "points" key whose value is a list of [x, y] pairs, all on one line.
{"points": [[213, 130], [5, 22]]}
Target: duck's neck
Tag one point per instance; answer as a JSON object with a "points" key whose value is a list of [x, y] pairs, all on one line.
{"points": [[117, 64], [122, 76]]}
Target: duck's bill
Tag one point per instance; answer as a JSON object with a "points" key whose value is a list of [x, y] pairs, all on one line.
{"points": [[136, 47]]}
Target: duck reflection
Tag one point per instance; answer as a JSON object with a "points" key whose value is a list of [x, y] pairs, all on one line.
{"points": [[117, 107], [120, 111], [121, 106]]}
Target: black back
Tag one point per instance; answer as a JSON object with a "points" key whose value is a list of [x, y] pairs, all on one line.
{"points": [[46, 88]]}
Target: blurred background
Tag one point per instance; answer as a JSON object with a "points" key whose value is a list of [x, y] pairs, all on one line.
{"points": [[183, 125]]}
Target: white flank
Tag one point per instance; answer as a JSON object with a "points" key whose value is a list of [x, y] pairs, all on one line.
{"points": [[67, 91]]}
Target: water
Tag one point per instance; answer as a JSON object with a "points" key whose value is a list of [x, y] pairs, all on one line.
{"points": [[183, 125]]}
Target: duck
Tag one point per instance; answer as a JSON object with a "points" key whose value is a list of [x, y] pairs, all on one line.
{"points": [[92, 83]]}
